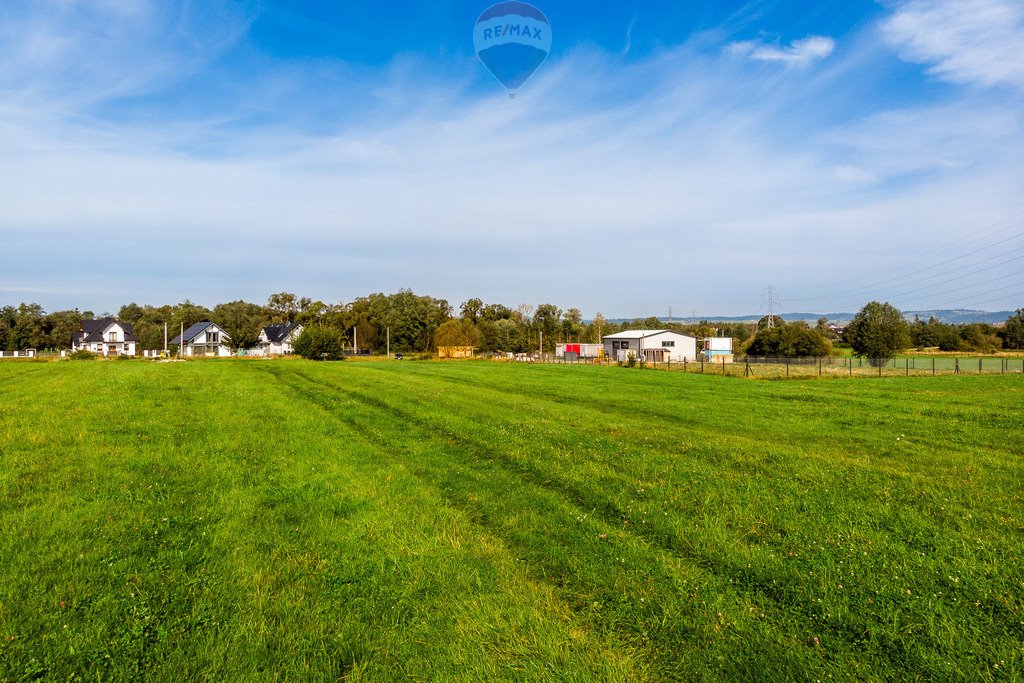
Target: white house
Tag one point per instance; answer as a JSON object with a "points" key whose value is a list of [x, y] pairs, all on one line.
{"points": [[650, 345], [277, 340], [204, 339], [107, 336]]}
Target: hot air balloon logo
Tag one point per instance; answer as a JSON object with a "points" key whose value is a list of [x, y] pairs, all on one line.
{"points": [[512, 39]]}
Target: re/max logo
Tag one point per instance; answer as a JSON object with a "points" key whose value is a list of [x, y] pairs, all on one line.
{"points": [[512, 30]]}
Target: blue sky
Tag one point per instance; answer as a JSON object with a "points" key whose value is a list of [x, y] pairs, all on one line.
{"points": [[681, 155]]}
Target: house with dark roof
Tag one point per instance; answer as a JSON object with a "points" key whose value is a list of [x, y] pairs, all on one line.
{"points": [[277, 340], [107, 336], [204, 339]]}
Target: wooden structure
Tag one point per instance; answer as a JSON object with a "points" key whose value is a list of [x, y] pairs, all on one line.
{"points": [[455, 351]]}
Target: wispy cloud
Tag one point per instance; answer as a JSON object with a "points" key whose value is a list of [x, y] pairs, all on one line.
{"points": [[798, 53], [611, 184], [965, 41]]}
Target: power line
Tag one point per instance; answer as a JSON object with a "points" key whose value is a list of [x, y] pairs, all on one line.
{"points": [[932, 277], [1012, 223], [868, 288]]}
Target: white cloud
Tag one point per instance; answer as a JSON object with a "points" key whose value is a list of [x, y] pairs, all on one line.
{"points": [[966, 41], [798, 53], [616, 186]]}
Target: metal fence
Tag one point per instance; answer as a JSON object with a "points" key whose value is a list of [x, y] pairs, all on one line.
{"points": [[837, 366]]}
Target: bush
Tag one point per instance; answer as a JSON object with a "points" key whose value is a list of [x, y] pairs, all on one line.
{"points": [[82, 355], [320, 343]]}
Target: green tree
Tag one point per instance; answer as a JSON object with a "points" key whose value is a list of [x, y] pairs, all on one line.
{"points": [[471, 310], [60, 325], [776, 321], [242, 321], [457, 333], [597, 328], [878, 331], [320, 343], [548, 319], [791, 341], [283, 307], [1013, 331]]}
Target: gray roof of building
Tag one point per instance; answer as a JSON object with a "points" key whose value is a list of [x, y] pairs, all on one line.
{"points": [[194, 331], [278, 333], [92, 331]]}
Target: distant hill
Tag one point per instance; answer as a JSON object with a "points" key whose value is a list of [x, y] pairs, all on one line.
{"points": [[957, 316]]}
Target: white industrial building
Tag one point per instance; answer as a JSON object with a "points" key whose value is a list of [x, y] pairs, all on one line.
{"points": [[650, 345]]}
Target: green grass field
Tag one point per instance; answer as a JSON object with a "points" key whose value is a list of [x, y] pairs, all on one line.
{"points": [[283, 520]]}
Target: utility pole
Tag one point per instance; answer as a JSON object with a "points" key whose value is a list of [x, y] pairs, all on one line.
{"points": [[389, 343], [542, 343], [181, 339], [355, 341]]}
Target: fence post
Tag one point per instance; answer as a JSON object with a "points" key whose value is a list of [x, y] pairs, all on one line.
{"points": [[956, 369], [879, 369], [819, 367], [979, 365], [684, 363], [908, 367], [746, 371], [851, 366], [787, 367], [933, 366], [702, 365], [723, 365]]}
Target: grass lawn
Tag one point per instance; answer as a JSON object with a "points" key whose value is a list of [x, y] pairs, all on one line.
{"points": [[254, 520]]}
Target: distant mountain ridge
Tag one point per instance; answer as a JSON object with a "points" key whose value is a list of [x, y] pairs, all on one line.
{"points": [[955, 316]]}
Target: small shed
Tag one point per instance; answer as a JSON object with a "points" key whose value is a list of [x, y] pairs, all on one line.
{"points": [[455, 351], [718, 349]]}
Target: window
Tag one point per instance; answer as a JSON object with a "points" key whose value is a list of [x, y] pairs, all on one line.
{"points": [[213, 337], [112, 336], [668, 343], [126, 347]]}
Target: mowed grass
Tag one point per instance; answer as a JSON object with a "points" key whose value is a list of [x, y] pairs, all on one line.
{"points": [[284, 520]]}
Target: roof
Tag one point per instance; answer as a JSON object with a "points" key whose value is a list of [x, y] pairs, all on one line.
{"points": [[637, 334], [92, 331], [197, 329], [278, 333]]}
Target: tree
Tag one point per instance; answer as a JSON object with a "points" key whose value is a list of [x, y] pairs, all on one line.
{"points": [[242, 321], [548, 319], [283, 306], [320, 343], [791, 341], [776, 321], [597, 326], [878, 331], [457, 333], [471, 310], [1013, 331]]}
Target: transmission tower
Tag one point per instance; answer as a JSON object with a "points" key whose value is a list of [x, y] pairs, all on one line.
{"points": [[770, 302]]}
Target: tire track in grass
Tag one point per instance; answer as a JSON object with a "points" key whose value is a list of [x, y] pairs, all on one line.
{"points": [[576, 575], [380, 449], [855, 630]]}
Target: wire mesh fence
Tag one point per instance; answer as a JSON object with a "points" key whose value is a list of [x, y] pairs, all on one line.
{"points": [[769, 367]]}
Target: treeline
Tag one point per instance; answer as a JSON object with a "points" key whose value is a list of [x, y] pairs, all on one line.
{"points": [[412, 323], [416, 323]]}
